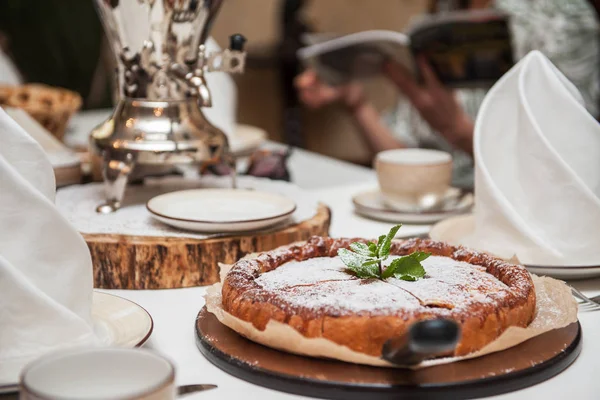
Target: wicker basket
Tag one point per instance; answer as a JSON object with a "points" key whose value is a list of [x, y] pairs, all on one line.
{"points": [[52, 107]]}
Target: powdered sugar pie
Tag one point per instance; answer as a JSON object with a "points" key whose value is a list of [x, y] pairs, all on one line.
{"points": [[308, 287]]}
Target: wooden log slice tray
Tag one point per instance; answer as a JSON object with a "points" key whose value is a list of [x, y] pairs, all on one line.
{"points": [[154, 262], [132, 250], [527, 364]]}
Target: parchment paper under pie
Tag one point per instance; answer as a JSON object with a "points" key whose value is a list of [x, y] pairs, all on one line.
{"points": [[555, 309]]}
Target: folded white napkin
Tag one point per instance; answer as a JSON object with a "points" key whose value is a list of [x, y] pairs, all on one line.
{"points": [[537, 176], [45, 266], [59, 155], [9, 74]]}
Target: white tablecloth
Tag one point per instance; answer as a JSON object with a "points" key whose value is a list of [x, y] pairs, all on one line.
{"points": [[174, 311]]}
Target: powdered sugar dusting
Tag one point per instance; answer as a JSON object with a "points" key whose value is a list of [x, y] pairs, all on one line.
{"points": [[309, 272], [354, 296], [449, 283], [323, 284]]}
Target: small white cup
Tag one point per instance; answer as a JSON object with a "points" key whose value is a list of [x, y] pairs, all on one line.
{"points": [[109, 374], [408, 176]]}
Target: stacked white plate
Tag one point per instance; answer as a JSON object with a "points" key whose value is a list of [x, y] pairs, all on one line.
{"points": [[221, 210]]}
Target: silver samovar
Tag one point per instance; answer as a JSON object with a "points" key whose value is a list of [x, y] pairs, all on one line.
{"points": [[158, 124]]}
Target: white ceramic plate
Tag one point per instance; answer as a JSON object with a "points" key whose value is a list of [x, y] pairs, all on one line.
{"points": [[371, 205], [246, 139], [126, 323], [454, 229], [221, 210], [123, 323]]}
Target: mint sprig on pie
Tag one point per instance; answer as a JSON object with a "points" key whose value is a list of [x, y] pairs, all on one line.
{"points": [[365, 260]]}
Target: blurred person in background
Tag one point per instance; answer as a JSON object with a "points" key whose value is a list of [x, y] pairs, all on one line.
{"points": [[430, 115]]}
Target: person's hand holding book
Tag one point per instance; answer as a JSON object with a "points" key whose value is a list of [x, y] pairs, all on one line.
{"points": [[436, 103], [315, 94]]}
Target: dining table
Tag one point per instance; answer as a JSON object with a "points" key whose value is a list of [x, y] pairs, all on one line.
{"points": [[332, 182]]}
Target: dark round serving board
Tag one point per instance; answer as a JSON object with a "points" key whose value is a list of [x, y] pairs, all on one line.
{"points": [[524, 365]]}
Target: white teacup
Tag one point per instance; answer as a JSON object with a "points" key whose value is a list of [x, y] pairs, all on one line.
{"points": [[111, 374], [411, 179]]}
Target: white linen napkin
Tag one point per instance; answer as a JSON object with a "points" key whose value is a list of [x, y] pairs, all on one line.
{"points": [[9, 75], [537, 169], [58, 154], [45, 266]]}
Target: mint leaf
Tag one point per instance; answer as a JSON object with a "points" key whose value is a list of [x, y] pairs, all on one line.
{"points": [[379, 244], [367, 271], [409, 267], [391, 269], [352, 260], [371, 261], [409, 278], [373, 248], [420, 255], [361, 266], [384, 250], [362, 249]]}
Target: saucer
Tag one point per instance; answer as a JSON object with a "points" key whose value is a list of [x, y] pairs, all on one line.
{"points": [[221, 210], [371, 205], [454, 230], [122, 322], [246, 139]]}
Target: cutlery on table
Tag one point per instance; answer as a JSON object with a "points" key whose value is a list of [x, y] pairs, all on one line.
{"points": [[188, 389], [586, 303], [433, 202]]}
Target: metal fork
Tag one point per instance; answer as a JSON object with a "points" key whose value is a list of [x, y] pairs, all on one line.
{"points": [[585, 303]]}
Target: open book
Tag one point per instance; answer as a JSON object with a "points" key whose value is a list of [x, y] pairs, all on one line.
{"points": [[464, 48]]}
